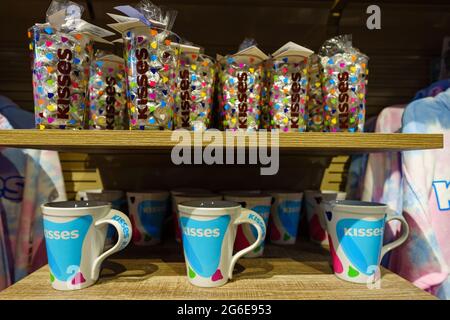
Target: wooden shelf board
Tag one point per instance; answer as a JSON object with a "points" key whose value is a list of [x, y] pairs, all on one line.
{"points": [[301, 271], [91, 141]]}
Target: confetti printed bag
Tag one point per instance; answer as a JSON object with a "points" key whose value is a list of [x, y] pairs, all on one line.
{"points": [[152, 58], [314, 105], [241, 86], [288, 94], [288, 76], [60, 64], [343, 84], [62, 54], [266, 116], [107, 93], [194, 100]]}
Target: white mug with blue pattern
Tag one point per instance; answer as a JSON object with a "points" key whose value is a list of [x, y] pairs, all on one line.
{"points": [[355, 235], [285, 216], [209, 231], [147, 211], [75, 233]]}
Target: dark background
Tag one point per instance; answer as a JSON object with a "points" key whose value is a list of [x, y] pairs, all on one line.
{"points": [[402, 54]]}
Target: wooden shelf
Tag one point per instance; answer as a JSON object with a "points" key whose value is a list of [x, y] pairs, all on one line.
{"points": [[91, 141], [301, 271]]}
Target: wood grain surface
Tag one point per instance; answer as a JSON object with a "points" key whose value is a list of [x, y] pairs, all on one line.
{"points": [[309, 142], [301, 271]]}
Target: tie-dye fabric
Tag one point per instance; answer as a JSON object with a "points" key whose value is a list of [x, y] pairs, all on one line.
{"points": [[29, 178], [424, 258], [383, 178], [357, 169]]}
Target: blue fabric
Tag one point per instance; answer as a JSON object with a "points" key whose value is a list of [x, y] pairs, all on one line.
{"points": [[427, 112], [433, 90], [18, 118]]}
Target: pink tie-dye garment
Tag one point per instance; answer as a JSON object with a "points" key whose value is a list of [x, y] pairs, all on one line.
{"points": [[383, 178], [424, 258], [29, 178]]}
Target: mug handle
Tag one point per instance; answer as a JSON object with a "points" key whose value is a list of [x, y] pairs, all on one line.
{"points": [[391, 215], [248, 216], [123, 226]]}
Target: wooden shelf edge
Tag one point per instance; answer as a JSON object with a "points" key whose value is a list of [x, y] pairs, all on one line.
{"points": [[90, 141]]}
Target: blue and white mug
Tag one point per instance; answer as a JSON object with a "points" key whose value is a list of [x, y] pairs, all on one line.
{"points": [[355, 235], [147, 211], [183, 197], [285, 216], [246, 234], [75, 233], [209, 231]]}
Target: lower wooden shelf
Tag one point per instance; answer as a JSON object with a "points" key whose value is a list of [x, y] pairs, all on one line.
{"points": [[301, 271]]}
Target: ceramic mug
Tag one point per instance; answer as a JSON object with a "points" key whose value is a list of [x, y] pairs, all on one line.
{"points": [[75, 233], [246, 234], [179, 198], [355, 235], [147, 210], [315, 212], [174, 205], [118, 202], [209, 232], [285, 216]]}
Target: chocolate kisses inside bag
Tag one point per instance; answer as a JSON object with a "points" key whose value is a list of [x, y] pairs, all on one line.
{"points": [[288, 78], [314, 104], [62, 53], [195, 83], [241, 81], [107, 93], [344, 80]]}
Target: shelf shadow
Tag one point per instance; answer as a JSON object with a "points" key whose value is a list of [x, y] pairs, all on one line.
{"points": [[114, 271], [314, 259]]}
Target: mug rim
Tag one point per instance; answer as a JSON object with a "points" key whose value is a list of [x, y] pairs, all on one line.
{"points": [[57, 209], [195, 206], [353, 204], [197, 196]]}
